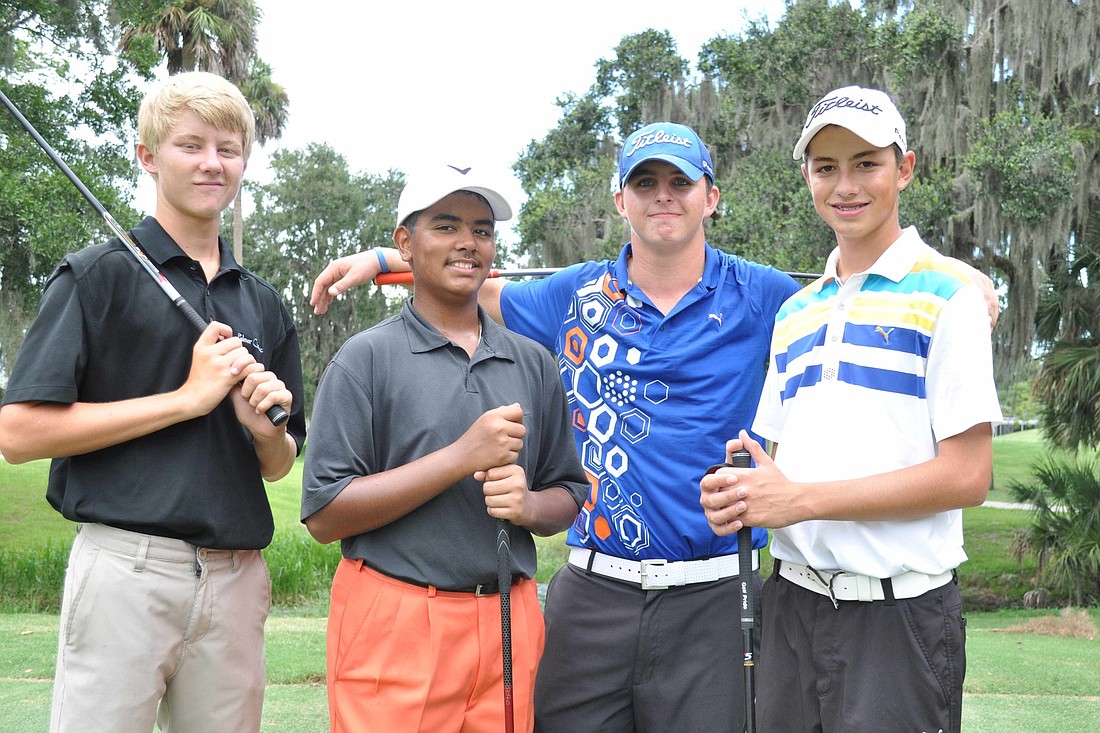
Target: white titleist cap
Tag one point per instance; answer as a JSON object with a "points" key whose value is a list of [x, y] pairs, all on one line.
{"points": [[425, 187], [869, 113]]}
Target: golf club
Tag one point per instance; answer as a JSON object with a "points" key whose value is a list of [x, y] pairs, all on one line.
{"points": [[276, 413], [504, 583], [404, 278], [741, 459]]}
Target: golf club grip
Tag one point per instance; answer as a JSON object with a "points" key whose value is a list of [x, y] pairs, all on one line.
{"points": [[276, 414], [405, 278], [741, 459]]}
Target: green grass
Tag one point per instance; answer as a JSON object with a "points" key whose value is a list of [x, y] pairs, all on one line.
{"points": [[1013, 456], [1017, 679], [34, 541]]}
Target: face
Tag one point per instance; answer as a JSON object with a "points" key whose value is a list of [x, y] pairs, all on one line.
{"points": [[450, 247], [198, 168], [665, 207], [855, 186]]}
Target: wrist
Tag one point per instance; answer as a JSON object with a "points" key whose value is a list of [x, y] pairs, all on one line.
{"points": [[383, 266]]}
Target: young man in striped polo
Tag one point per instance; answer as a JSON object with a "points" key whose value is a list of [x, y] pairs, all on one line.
{"points": [[878, 403]]}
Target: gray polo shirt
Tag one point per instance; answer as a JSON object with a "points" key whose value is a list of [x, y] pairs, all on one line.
{"points": [[401, 390]]}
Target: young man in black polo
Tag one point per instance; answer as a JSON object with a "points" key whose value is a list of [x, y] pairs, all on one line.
{"points": [[160, 444]]}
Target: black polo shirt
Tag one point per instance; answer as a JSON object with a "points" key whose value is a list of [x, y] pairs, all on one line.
{"points": [[105, 331]]}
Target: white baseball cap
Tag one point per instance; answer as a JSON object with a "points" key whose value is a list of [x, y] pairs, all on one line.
{"points": [[869, 113], [424, 188]]}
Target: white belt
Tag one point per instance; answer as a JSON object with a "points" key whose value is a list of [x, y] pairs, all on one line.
{"points": [[659, 574], [851, 587]]}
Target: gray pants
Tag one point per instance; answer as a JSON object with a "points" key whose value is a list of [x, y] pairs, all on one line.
{"points": [[155, 629], [865, 667], [620, 659]]}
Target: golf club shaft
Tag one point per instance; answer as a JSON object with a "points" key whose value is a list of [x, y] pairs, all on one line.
{"points": [[276, 413], [741, 459], [504, 583], [404, 278]]}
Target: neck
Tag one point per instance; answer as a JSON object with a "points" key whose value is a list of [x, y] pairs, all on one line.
{"points": [[666, 276], [448, 320], [198, 238], [858, 255]]}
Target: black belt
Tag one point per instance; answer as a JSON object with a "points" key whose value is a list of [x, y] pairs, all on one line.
{"points": [[491, 588]]}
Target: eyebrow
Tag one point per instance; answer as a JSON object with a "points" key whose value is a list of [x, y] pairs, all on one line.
{"points": [[188, 137], [870, 153], [457, 219]]}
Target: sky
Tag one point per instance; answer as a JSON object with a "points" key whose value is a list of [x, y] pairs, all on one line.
{"points": [[400, 85]]}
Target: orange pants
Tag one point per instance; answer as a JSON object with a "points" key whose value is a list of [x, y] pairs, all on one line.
{"points": [[405, 658]]}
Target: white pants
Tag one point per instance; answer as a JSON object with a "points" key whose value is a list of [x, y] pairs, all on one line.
{"points": [[158, 630]]}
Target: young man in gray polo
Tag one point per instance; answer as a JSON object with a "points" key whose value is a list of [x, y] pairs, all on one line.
{"points": [[432, 431]]}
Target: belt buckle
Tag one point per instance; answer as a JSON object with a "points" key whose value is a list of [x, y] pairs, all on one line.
{"points": [[486, 589], [644, 573]]}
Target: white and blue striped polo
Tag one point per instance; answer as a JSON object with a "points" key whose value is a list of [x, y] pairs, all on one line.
{"points": [[866, 377]]}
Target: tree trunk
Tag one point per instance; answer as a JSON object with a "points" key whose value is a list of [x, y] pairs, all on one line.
{"points": [[238, 229]]}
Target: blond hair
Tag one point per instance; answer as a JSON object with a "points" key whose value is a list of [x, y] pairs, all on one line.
{"points": [[215, 100]]}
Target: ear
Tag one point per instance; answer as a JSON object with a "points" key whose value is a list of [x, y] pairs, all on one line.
{"points": [[619, 204], [402, 238], [906, 169], [712, 200], [806, 176], [147, 159]]}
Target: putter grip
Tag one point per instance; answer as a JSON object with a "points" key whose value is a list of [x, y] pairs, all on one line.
{"points": [[741, 459]]}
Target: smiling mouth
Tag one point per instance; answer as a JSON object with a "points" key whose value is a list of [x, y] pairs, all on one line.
{"points": [[849, 207]]}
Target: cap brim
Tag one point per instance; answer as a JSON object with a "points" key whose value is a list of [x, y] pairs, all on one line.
{"points": [[693, 172], [502, 210], [877, 138]]}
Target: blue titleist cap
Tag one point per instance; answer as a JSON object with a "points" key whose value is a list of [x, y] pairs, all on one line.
{"points": [[667, 141]]}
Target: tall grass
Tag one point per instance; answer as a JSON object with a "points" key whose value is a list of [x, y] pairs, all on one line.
{"points": [[34, 542], [31, 578], [301, 569]]}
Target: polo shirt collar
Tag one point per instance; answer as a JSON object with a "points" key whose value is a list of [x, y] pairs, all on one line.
{"points": [[424, 337], [713, 268], [160, 247], [894, 264]]}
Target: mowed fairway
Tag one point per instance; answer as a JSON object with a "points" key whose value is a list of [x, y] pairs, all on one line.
{"points": [[1027, 672], [1020, 678]]}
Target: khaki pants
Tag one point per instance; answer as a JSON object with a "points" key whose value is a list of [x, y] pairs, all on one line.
{"points": [[157, 630]]}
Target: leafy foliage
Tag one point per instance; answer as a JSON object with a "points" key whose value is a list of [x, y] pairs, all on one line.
{"points": [[313, 211], [46, 47], [1065, 527], [1024, 162], [765, 215], [1068, 323]]}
